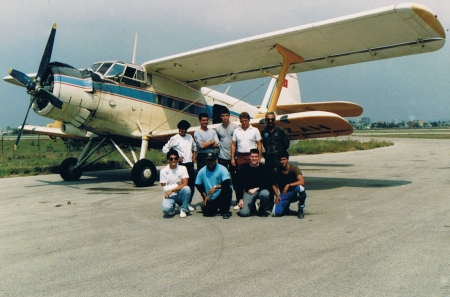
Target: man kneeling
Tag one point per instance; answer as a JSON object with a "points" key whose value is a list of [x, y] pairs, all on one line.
{"points": [[213, 183], [174, 179], [256, 182]]}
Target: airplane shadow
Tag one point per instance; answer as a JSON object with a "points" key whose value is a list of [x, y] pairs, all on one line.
{"points": [[326, 183]]}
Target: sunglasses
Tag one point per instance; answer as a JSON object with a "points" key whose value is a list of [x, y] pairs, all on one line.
{"points": [[270, 120], [173, 159]]}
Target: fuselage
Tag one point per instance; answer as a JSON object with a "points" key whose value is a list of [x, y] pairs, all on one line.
{"points": [[121, 99]]}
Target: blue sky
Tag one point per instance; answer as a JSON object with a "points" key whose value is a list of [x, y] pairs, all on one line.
{"points": [[415, 87]]}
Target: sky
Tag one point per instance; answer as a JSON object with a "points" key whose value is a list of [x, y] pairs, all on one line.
{"points": [[408, 88]]}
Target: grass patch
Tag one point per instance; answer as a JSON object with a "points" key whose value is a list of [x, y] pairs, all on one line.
{"points": [[316, 146], [44, 156]]}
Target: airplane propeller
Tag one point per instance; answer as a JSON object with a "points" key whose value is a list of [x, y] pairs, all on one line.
{"points": [[34, 87]]}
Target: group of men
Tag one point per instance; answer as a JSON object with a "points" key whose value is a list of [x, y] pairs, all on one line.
{"points": [[276, 184]]}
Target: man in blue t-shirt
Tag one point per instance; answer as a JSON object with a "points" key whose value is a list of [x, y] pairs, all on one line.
{"points": [[213, 183]]}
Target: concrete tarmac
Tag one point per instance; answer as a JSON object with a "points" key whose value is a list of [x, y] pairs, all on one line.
{"points": [[377, 223]]}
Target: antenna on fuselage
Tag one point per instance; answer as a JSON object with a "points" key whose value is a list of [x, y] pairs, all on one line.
{"points": [[134, 51]]}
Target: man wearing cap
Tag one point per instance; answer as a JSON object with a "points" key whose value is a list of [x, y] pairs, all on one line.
{"points": [[214, 185], [184, 144], [174, 179]]}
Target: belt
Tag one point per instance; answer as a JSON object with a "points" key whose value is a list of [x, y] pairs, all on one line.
{"points": [[243, 154]]}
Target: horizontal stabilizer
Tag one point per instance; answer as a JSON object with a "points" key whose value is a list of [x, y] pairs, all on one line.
{"points": [[309, 124], [52, 132], [342, 108]]}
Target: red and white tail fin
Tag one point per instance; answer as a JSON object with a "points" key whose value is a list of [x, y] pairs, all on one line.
{"points": [[290, 94]]}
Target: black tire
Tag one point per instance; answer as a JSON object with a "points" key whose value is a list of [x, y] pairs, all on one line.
{"points": [[67, 171], [144, 173]]}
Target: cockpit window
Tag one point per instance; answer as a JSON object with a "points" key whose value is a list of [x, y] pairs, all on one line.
{"points": [[95, 66], [115, 70], [104, 68]]}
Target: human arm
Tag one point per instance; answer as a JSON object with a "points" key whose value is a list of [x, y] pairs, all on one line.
{"points": [[202, 191], [233, 152], [184, 182], [259, 146], [225, 183], [277, 195]]}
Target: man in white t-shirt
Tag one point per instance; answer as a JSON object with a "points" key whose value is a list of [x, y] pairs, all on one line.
{"points": [[184, 144], [244, 139], [174, 179]]}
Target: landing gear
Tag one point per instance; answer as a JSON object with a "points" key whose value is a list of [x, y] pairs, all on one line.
{"points": [[144, 173], [68, 170]]}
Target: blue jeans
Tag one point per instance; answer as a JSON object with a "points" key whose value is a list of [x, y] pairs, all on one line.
{"points": [[249, 202], [288, 198], [181, 198]]}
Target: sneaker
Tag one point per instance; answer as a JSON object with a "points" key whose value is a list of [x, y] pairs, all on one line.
{"points": [[301, 215], [191, 208], [236, 207], [226, 215], [257, 206], [171, 213], [182, 214]]}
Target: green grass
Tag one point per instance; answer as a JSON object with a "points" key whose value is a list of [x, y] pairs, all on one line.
{"points": [[316, 146], [35, 157]]}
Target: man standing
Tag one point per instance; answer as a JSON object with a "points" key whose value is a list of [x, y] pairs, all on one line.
{"points": [[213, 183], [174, 179], [206, 140], [225, 134], [256, 183], [275, 140], [288, 187], [184, 144], [244, 139]]}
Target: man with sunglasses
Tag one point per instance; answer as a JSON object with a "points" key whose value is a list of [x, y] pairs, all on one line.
{"points": [[213, 183], [275, 140], [174, 179]]}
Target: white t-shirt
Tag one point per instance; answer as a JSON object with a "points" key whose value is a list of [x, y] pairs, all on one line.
{"points": [[172, 177], [246, 140], [184, 145]]}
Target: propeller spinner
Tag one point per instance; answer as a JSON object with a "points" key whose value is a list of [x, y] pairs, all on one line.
{"points": [[34, 87]]}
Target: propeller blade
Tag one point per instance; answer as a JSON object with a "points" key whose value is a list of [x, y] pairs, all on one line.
{"points": [[47, 54], [50, 97], [16, 145], [22, 78]]}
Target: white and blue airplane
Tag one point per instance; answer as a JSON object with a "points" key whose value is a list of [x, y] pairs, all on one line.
{"points": [[140, 105]]}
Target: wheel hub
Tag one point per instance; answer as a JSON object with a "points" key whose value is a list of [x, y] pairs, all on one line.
{"points": [[147, 173]]}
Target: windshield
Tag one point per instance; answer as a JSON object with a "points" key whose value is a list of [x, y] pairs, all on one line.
{"points": [[115, 70]]}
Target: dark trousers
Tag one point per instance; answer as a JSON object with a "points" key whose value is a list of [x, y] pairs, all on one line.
{"points": [[222, 202], [191, 183]]}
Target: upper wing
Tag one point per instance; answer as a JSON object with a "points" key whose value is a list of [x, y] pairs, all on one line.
{"points": [[310, 124], [393, 31], [344, 109]]}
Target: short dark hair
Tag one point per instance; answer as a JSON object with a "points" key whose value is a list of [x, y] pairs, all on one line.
{"points": [[183, 124], [225, 110], [270, 113], [283, 154], [254, 151], [172, 152], [244, 115], [203, 115]]}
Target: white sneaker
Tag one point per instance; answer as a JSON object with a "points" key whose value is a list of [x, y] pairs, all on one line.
{"points": [[236, 207], [257, 206], [191, 208], [182, 214]]}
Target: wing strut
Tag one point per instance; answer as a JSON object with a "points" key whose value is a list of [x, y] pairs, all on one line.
{"points": [[288, 59]]}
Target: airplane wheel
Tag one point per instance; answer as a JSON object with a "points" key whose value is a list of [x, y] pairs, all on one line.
{"points": [[144, 173], [67, 171]]}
